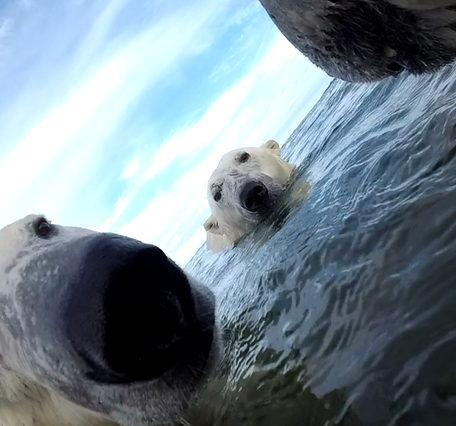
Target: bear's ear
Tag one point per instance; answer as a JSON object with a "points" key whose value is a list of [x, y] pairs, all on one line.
{"points": [[273, 146], [211, 225]]}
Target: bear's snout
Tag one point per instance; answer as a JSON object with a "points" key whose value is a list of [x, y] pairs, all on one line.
{"points": [[130, 313], [253, 196], [103, 324]]}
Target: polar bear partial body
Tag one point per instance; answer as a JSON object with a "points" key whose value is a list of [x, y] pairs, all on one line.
{"points": [[97, 329]]}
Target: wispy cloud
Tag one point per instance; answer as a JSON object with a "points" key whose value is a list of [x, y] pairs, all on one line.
{"points": [[44, 141]]}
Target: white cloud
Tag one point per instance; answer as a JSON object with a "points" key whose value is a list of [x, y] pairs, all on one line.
{"points": [[130, 170], [5, 27], [44, 141], [121, 204], [203, 132], [186, 251], [282, 52]]}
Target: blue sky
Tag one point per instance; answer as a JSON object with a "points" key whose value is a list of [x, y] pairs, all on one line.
{"points": [[114, 113]]}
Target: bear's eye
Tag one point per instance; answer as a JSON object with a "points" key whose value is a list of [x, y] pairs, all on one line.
{"points": [[42, 227], [217, 196], [244, 157]]}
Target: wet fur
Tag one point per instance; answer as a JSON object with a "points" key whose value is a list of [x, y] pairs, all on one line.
{"points": [[40, 385], [369, 40], [229, 222]]}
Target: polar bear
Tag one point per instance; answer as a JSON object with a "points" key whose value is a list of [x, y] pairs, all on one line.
{"points": [[369, 40], [245, 185], [97, 329]]}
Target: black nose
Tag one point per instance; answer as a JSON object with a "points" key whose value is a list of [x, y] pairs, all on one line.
{"points": [[129, 312], [253, 196]]}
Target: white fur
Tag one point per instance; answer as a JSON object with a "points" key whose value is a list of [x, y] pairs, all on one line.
{"points": [[228, 223], [32, 405], [25, 403], [30, 373]]}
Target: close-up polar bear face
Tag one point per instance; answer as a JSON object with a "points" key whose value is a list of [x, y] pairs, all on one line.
{"points": [[97, 329], [242, 189]]}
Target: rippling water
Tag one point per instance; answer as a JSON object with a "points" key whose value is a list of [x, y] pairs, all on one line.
{"points": [[343, 311]]}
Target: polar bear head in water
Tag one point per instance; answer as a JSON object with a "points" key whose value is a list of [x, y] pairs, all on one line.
{"points": [[241, 191], [97, 329]]}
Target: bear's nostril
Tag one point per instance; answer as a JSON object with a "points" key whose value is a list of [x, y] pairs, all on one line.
{"points": [[253, 196], [249, 203], [144, 331], [258, 189]]}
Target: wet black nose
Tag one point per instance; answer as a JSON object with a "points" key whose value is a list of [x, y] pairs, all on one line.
{"points": [[253, 196], [129, 310]]}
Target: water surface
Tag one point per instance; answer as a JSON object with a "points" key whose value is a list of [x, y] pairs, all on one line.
{"points": [[344, 312]]}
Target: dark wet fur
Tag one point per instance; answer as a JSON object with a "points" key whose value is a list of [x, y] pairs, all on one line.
{"points": [[347, 38]]}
